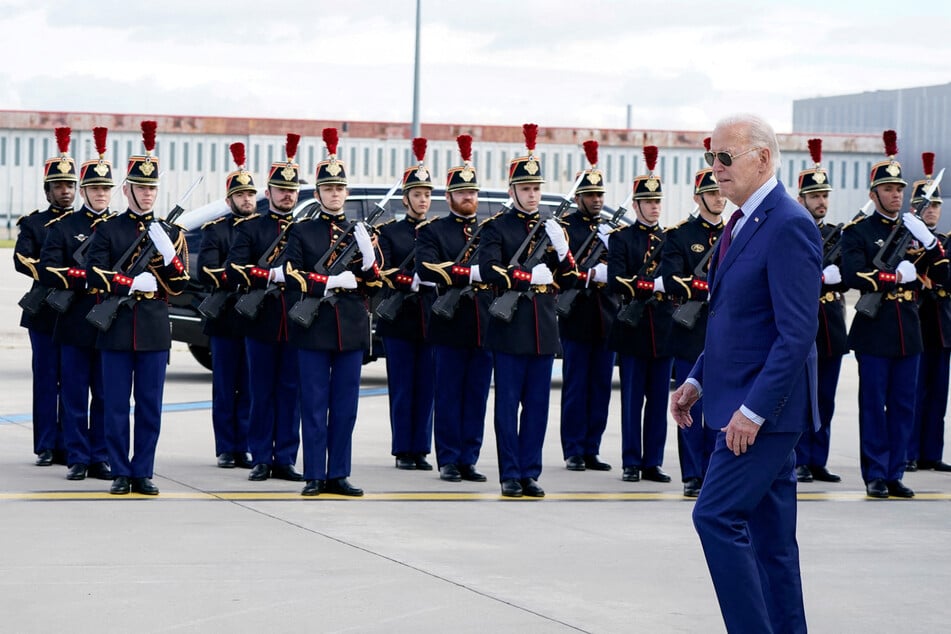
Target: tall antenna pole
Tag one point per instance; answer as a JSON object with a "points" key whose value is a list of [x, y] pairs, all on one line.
{"points": [[416, 126]]}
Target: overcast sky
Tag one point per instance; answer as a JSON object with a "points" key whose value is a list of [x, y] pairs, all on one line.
{"points": [[578, 63]]}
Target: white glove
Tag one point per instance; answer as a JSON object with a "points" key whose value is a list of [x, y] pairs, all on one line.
{"points": [[919, 229], [362, 237], [557, 236], [144, 282], [414, 285], [541, 274], [906, 272], [604, 234], [342, 280], [474, 275], [276, 275], [598, 273], [831, 275], [162, 242]]}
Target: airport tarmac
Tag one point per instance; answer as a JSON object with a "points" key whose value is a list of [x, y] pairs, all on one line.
{"points": [[215, 552]]}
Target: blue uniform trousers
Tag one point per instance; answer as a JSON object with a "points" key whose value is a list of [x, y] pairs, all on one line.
{"points": [[47, 410], [813, 447], [140, 375], [410, 380], [645, 386], [886, 413], [746, 519], [587, 370], [694, 443], [230, 400], [274, 432], [521, 380], [330, 392], [927, 440], [84, 428], [465, 375]]}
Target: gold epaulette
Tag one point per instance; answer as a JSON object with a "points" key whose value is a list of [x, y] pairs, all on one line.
{"points": [[681, 223], [856, 221], [56, 219], [247, 218], [423, 223], [212, 222], [492, 217], [25, 216]]}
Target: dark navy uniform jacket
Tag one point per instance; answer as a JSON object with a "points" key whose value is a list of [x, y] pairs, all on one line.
{"points": [[832, 337], [26, 258], [630, 247], [896, 330], [142, 324], [686, 245], [343, 319], [594, 309], [397, 241], [534, 326], [217, 237], [438, 244], [934, 309], [60, 270]]}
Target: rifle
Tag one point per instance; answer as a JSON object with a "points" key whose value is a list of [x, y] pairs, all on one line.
{"points": [[832, 248], [688, 313], [60, 299], [33, 299], [504, 306], [389, 308], [631, 313], [565, 301]]}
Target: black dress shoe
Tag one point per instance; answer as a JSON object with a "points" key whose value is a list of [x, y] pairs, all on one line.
{"points": [[342, 486], [821, 474], [44, 458], [99, 471], [313, 487], [803, 474], [243, 460], [595, 464], [897, 489], [144, 486], [59, 457], [226, 460], [450, 473], [286, 472], [531, 489], [631, 474], [469, 473], [692, 487], [76, 472], [876, 489], [421, 463], [911, 465], [511, 489], [942, 466], [259, 473], [936, 465], [574, 463], [654, 474], [120, 486], [406, 462]]}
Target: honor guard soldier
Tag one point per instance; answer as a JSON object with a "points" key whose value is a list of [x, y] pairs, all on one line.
{"points": [[59, 184], [322, 265], [524, 336], [934, 309], [886, 332], [62, 268], [230, 398], [684, 266], [410, 375], [641, 339], [446, 256], [135, 347], [253, 266], [587, 362], [812, 452]]}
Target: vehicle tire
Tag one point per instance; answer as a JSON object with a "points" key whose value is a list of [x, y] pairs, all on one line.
{"points": [[202, 355]]}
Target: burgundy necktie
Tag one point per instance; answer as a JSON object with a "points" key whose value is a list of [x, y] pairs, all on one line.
{"points": [[727, 236]]}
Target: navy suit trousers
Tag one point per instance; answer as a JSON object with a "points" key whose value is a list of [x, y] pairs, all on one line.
{"points": [[813, 447], [410, 379], [230, 399], [274, 434], [521, 380], [465, 375], [84, 431], [645, 388], [587, 370], [47, 416], [886, 414]]}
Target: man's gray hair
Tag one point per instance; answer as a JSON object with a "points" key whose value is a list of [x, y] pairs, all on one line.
{"points": [[761, 134]]}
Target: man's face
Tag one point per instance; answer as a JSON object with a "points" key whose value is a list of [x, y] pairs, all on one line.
{"points": [[61, 194], [243, 203], [417, 201], [816, 203], [97, 197], [748, 170], [281, 200], [527, 196], [715, 202], [331, 197], [931, 214], [648, 211], [141, 197], [464, 202], [888, 198], [590, 203]]}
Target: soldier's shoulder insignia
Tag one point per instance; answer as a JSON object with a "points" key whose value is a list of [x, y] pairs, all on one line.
{"points": [[679, 224], [493, 217], [698, 247], [424, 223], [56, 219], [212, 222], [247, 219], [25, 216], [854, 222]]}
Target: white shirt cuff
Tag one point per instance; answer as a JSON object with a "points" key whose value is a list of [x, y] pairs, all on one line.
{"points": [[696, 384], [756, 418]]}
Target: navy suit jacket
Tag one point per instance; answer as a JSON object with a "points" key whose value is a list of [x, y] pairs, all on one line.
{"points": [[764, 302]]}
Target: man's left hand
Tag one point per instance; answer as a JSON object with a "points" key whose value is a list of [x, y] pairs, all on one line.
{"points": [[740, 433]]}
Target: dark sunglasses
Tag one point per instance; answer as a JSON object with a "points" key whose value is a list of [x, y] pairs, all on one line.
{"points": [[725, 158]]}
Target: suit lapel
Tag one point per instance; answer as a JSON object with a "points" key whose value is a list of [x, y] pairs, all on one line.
{"points": [[749, 228]]}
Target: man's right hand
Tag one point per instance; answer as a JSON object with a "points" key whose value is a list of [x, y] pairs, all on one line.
{"points": [[683, 398]]}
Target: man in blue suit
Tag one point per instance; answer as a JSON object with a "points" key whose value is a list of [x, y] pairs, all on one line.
{"points": [[758, 375]]}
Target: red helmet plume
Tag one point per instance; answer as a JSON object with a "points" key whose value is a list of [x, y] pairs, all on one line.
{"points": [[650, 156], [927, 161], [464, 141], [148, 135], [591, 151], [815, 150], [291, 145], [530, 132], [331, 139], [891, 143], [237, 153], [99, 136], [62, 140], [706, 143], [419, 149]]}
